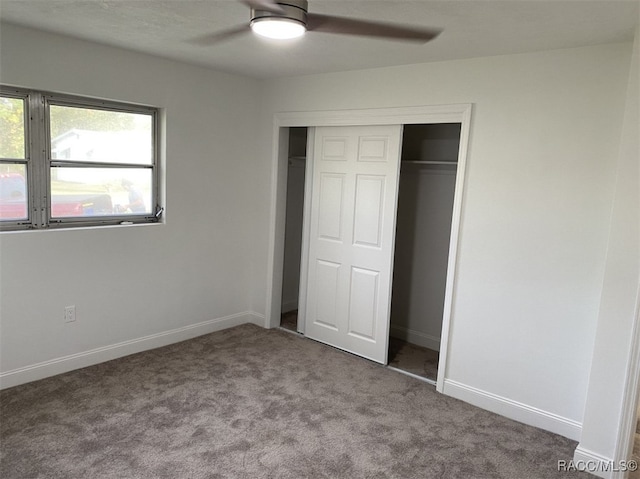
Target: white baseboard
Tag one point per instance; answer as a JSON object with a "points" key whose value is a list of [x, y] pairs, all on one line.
{"points": [[65, 364], [415, 337], [514, 410], [589, 461]]}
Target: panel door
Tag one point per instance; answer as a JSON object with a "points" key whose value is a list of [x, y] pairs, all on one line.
{"points": [[351, 237]]}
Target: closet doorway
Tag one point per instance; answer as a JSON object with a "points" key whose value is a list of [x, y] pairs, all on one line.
{"points": [[296, 172], [406, 116], [427, 185]]}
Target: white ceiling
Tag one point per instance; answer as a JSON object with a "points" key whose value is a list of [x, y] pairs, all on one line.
{"points": [[171, 28]]}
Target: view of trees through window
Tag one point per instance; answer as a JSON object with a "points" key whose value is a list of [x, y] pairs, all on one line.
{"points": [[12, 138], [13, 173]]}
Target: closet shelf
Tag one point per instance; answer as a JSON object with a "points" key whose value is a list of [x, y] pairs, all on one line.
{"points": [[428, 162]]}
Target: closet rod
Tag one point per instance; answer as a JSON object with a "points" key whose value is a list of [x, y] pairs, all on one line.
{"points": [[425, 162]]}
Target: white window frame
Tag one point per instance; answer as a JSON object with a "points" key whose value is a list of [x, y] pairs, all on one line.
{"points": [[39, 161]]}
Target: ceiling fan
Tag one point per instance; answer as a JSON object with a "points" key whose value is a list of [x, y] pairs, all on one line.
{"points": [[286, 19]]}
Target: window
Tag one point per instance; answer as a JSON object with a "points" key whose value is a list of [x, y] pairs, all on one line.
{"points": [[70, 161], [14, 156]]}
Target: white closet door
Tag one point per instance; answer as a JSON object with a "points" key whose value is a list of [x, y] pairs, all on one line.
{"points": [[351, 240]]}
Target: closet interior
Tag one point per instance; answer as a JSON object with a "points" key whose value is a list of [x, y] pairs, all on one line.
{"points": [[425, 206], [427, 182], [293, 227]]}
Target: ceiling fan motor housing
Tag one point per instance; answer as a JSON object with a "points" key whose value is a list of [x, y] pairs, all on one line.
{"points": [[294, 10]]}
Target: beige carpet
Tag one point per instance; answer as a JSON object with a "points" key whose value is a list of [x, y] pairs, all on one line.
{"points": [[402, 355], [254, 403]]}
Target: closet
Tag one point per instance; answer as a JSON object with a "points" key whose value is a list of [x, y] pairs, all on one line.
{"points": [[425, 205], [296, 168]]}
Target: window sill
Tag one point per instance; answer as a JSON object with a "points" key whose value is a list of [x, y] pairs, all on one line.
{"points": [[81, 228]]}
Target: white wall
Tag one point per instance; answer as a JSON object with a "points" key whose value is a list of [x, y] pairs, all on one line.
{"points": [[541, 169], [618, 308], [133, 282]]}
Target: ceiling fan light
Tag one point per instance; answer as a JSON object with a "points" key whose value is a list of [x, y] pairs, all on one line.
{"points": [[278, 28]]}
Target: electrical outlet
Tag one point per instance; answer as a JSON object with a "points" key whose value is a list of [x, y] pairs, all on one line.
{"points": [[70, 314]]}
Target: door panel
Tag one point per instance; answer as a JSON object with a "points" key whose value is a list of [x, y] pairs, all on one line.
{"points": [[330, 206], [327, 274], [352, 229], [363, 303], [373, 148], [367, 227]]}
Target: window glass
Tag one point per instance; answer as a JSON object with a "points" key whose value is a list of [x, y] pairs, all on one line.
{"points": [[12, 133], [90, 191], [68, 161], [13, 174], [100, 136], [13, 192]]}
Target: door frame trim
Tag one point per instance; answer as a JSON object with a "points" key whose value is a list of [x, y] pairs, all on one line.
{"points": [[631, 396], [454, 113]]}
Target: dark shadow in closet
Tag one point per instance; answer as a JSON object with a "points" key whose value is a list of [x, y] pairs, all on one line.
{"points": [[293, 227], [413, 359], [403, 355], [289, 320], [425, 205]]}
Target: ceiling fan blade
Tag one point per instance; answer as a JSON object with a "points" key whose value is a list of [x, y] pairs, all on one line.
{"points": [[219, 37], [348, 26], [267, 5]]}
